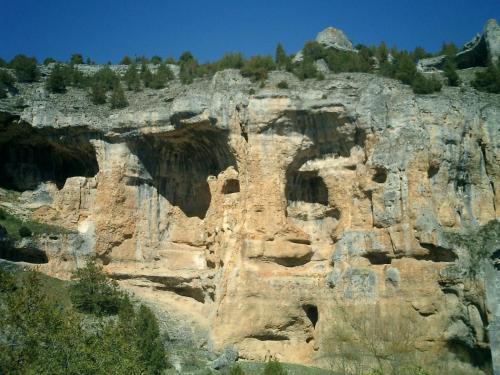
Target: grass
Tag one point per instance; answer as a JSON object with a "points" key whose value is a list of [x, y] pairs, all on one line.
{"points": [[12, 224]]}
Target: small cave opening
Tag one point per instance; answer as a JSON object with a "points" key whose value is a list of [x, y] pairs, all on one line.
{"points": [[495, 258], [378, 258], [31, 255], [437, 253], [180, 162], [311, 313], [29, 156], [432, 171], [307, 187], [380, 175], [231, 186]]}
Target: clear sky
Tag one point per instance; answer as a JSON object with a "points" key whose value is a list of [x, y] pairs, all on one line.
{"points": [[106, 30]]}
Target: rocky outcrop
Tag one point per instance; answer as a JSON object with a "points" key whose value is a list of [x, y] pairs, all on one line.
{"points": [[251, 213], [330, 38], [479, 51]]}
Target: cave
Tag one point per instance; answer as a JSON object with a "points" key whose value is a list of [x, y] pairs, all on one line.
{"points": [[29, 156], [380, 175], [231, 186], [31, 255], [306, 187], [437, 253], [180, 161], [312, 314]]}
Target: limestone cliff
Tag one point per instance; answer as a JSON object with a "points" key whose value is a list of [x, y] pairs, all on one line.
{"points": [[251, 213]]}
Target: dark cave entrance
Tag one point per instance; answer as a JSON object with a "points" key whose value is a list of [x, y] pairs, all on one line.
{"points": [[29, 156], [180, 162], [306, 187], [312, 314]]}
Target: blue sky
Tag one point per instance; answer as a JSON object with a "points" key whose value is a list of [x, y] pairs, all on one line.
{"points": [[106, 30]]}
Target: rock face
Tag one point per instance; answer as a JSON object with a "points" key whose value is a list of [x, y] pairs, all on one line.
{"points": [[478, 51], [253, 216], [334, 38]]}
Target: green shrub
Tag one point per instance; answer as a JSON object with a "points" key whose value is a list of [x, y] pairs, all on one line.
{"points": [[156, 60], [93, 292], [423, 85], [305, 69], [3, 216], [189, 68], [76, 58], [404, 68], [97, 93], [236, 370], [257, 67], [229, 61], [49, 60], [161, 77], [118, 99], [280, 57], [6, 83], [149, 341], [7, 281], [25, 68], [25, 232], [106, 77], [282, 85], [58, 79], [146, 75], [450, 72], [489, 80], [132, 79], [274, 368], [126, 60]]}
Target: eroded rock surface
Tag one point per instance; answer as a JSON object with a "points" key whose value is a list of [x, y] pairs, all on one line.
{"points": [[251, 216]]}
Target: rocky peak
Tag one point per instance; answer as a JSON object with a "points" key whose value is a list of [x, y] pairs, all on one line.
{"points": [[492, 38], [334, 38]]}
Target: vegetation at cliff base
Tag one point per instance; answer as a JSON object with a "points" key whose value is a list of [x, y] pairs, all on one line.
{"points": [[489, 80], [41, 335]]}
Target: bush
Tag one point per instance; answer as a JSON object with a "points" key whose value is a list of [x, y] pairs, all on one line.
{"points": [[126, 61], [7, 281], [6, 83], [257, 67], [229, 61], [97, 93], [282, 85], [48, 60], [189, 68], [76, 58], [450, 72], [404, 68], [274, 368], [305, 69], [107, 77], [25, 232], [93, 292], [236, 370], [423, 85], [58, 79], [146, 75], [156, 60], [489, 80], [25, 68], [118, 99], [149, 341], [280, 58], [132, 79], [161, 77]]}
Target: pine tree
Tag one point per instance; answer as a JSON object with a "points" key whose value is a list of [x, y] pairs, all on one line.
{"points": [[161, 77], [58, 80], [76, 58], [132, 78], [451, 73], [98, 92], [118, 99], [146, 75], [281, 58], [126, 61], [149, 341], [25, 68]]}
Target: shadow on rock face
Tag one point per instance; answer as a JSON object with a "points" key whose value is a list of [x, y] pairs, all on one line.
{"points": [[180, 161]]}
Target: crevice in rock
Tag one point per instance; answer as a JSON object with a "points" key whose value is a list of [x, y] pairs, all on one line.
{"points": [[292, 261], [432, 171], [495, 258], [437, 253], [380, 175], [231, 186], [25, 254], [269, 337], [186, 291], [29, 156], [378, 258], [312, 314], [180, 161]]}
